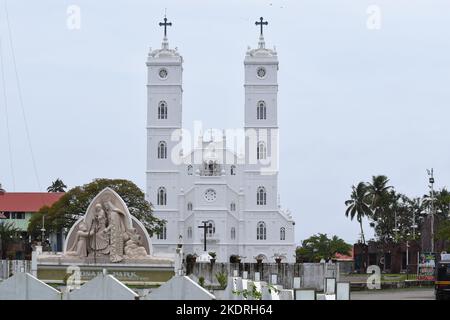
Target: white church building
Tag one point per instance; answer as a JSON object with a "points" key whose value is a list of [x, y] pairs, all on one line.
{"points": [[232, 191]]}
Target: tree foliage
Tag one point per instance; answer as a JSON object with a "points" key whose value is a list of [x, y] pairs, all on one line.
{"points": [[73, 204], [358, 206], [8, 234], [443, 233], [394, 216], [57, 186], [319, 247]]}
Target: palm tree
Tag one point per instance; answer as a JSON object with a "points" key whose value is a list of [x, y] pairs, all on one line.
{"points": [[357, 206], [8, 233], [57, 186], [377, 190]]}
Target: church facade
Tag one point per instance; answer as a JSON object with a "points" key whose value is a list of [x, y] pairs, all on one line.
{"points": [[217, 192]]}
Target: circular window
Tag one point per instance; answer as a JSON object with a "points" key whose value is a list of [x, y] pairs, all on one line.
{"points": [[261, 72], [210, 195], [163, 73]]}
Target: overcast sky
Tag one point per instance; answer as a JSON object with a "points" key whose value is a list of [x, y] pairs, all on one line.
{"points": [[354, 101]]}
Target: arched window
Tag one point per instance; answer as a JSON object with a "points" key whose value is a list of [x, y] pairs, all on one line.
{"points": [[261, 110], [162, 150], [282, 233], [189, 206], [190, 170], [261, 196], [189, 232], [211, 228], [233, 170], [161, 197], [261, 231], [233, 206], [162, 235], [233, 233], [261, 150], [162, 110]]}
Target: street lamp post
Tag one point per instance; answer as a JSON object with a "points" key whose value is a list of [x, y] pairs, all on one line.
{"points": [[414, 225], [396, 229], [431, 186], [43, 231], [407, 254]]}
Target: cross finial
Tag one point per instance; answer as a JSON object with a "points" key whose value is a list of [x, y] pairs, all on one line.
{"points": [[261, 23], [165, 24]]}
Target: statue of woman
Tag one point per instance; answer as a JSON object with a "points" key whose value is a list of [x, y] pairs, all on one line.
{"points": [[133, 248], [100, 240], [117, 229], [79, 247]]}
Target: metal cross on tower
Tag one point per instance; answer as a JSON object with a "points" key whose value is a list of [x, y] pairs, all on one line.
{"points": [[261, 23], [205, 228], [165, 24]]}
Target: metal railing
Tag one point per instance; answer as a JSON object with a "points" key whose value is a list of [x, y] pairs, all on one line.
{"points": [[10, 267]]}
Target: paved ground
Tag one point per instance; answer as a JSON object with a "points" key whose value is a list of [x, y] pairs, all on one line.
{"points": [[394, 294]]}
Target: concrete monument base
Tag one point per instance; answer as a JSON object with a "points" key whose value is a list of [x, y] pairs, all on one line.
{"points": [[152, 272]]}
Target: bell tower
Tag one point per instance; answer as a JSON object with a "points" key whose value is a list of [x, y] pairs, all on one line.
{"points": [[164, 118], [261, 123]]}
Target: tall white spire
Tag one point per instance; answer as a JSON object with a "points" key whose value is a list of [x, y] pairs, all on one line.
{"points": [[165, 43], [261, 42]]}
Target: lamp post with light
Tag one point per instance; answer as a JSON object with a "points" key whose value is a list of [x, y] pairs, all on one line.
{"points": [[2, 217], [43, 232], [432, 211]]}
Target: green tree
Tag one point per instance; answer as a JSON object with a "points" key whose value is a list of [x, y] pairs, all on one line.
{"points": [[357, 206], [443, 203], [8, 234], [57, 186], [440, 201], [378, 189], [319, 247], [443, 233], [73, 204]]}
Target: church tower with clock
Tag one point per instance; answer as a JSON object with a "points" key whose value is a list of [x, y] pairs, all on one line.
{"points": [[211, 197], [164, 111]]}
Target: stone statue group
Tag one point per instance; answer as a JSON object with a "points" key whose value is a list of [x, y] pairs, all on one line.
{"points": [[107, 233]]}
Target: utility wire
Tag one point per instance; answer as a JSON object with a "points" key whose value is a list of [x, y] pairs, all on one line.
{"points": [[20, 96], [5, 100]]}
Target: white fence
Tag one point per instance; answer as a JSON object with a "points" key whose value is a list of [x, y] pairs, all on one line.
{"points": [[312, 274], [10, 267]]}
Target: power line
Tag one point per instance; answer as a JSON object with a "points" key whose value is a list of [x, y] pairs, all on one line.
{"points": [[5, 99], [19, 89]]}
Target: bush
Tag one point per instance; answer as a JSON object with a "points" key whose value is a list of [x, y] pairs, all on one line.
{"points": [[201, 282], [222, 279]]}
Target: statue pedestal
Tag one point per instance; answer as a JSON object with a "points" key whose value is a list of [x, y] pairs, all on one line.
{"points": [[151, 271]]}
